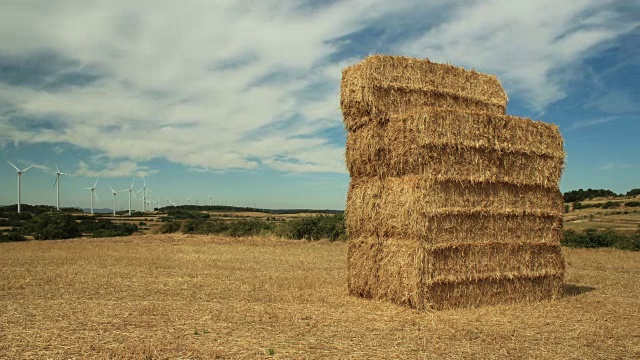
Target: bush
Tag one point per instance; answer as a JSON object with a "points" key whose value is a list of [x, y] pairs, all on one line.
{"points": [[106, 228], [594, 238], [251, 227], [632, 204], [53, 226], [329, 227], [629, 243], [579, 205], [169, 227], [633, 192], [187, 215], [611, 205], [12, 236]]}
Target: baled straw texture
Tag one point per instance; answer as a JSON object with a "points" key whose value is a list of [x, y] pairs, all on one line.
{"points": [[413, 273], [492, 291], [363, 259], [457, 144], [420, 194], [370, 215], [380, 86]]}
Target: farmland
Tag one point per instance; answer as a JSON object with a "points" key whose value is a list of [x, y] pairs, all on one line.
{"points": [[203, 297]]}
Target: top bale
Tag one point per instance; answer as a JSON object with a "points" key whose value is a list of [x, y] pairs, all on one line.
{"points": [[383, 85]]}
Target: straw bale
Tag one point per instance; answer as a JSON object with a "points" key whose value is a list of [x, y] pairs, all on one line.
{"points": [[492, 291], [421, 276], [457, 226], [363, 258], [475, 165], [383, 85], [456, 144], [459, 128], [377, 198]]}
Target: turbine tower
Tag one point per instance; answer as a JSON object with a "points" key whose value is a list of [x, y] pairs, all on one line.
{"points": [[130, 190], [144, 194], [114, 199], [93, 193], [57, 184], [20, 172]]}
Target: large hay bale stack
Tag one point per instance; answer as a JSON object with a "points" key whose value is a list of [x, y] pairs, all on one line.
{"points": [[452, 203]]}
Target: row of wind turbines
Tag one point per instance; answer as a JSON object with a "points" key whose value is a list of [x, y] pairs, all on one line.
{"points": [[146, 204]]}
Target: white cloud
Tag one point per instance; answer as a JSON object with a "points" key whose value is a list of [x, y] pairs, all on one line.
{"points": [[593, 122], [244, 85], [114, 170], [614, 166], [530, 45]]}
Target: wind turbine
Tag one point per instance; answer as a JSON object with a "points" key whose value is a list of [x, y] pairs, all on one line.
{"points": [[130, 190], [58, 173], [114, 199], [210, 200], [19, 181], [144, 194], [93, 193]]}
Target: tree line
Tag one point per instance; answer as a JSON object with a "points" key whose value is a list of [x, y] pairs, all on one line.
{"points": [[581, 195]]}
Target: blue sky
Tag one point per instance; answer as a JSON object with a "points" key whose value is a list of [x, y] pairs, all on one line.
{"points": [[239, 100]]}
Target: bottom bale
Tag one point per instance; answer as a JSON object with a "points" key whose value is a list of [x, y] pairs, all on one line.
{"points": [[363, 257], [491, 291], [417, 274]]}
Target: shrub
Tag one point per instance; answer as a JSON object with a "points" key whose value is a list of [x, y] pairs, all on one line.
{"points": [[107, 228], [629, 243], [594, 238], [53, 226], [632, 204], [169, 227], [578, 206], [329, 227], [611, 205], [12, 236], [251, 227], [187, 215]]}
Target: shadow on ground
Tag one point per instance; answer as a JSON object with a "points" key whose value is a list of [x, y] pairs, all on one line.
{"points": [[575, 290]]}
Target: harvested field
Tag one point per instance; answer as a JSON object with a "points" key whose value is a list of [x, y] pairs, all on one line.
{"points": [[201, 297]]}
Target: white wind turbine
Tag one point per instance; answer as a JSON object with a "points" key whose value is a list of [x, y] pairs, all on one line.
{"points": [[58, 173], [114, 199], [130, 190], [210, 200], [20, 172], [144, 194], [93, 193]]}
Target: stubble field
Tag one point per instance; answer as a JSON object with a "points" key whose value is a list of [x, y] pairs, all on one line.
{"points": [[204, 297]]}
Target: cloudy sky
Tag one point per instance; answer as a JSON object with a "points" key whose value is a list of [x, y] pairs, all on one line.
{"points": [[239, 100]]}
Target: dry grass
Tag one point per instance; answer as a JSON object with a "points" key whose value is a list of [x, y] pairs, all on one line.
{"points": [[145, 298], [615, 219]]}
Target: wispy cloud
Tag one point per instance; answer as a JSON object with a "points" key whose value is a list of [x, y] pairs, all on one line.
{"points": [[614, 166], [530, 47], [592, 122], [253, 84], [114, 170]]}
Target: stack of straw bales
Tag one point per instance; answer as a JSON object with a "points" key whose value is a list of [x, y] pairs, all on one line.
{"points": [[452, 203]]}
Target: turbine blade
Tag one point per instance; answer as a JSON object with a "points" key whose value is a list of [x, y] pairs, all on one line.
{"points": [[25, 170], [15, 167], [55, 182], [133, 183], [96, 183], [111, 189], [57, 169], [96, 195]]}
